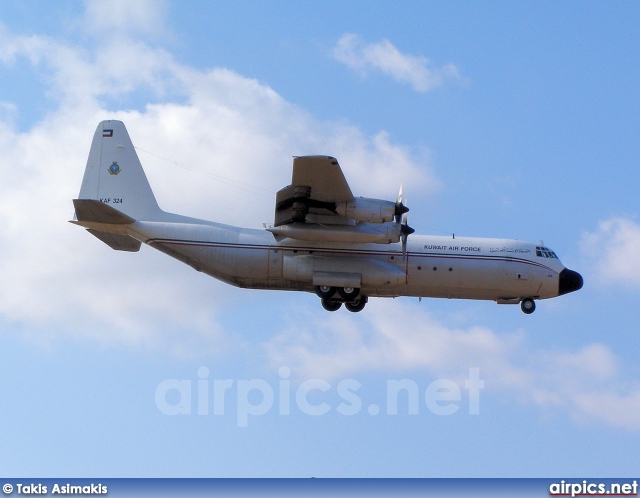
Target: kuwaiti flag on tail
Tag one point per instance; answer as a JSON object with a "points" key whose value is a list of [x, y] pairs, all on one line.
{"points": [[107, 133]]}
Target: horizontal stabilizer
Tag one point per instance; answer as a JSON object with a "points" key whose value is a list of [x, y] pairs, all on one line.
{"points": [[94, 211], [117, 241]]}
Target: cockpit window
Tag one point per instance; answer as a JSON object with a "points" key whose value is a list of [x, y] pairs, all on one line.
{"points": [[545, 252]]}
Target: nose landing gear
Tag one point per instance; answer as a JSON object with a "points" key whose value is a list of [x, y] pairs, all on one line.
{"points": [[528, 306]]}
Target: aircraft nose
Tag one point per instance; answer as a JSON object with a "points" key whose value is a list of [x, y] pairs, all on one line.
{"points": [[569, 281]]}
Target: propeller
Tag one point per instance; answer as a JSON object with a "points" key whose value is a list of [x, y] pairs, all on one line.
{"points": [[400, 207], [401, 218], [405, 231]]}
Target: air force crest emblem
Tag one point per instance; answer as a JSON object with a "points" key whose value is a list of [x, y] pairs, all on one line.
{"points": [[114, 169]]}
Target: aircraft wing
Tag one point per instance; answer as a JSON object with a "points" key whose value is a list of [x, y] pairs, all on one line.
{"points": [[322, 174], [317, 187], [319, 206]]}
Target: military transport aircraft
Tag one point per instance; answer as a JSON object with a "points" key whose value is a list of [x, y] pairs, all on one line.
{"points": [[346, 249]]}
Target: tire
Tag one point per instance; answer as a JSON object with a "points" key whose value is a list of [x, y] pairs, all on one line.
{"points": [[331, 305], [355, 306], [324, 291], [349, 293], [528, 306]]}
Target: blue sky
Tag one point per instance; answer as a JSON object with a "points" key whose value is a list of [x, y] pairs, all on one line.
{"points": [[515, 120]]}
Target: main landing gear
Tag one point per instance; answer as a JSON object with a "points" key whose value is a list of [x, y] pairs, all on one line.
{"points": [[332, 298]]}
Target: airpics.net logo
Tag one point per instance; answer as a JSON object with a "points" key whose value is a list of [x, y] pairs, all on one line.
{"points": [[590, 488], [313, 397]]}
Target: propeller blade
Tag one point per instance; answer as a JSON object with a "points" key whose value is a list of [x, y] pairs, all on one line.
{"points": [[405, 231], [400, 208]]}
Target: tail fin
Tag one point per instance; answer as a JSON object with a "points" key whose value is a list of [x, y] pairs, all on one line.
{"points": [[115, 176]]}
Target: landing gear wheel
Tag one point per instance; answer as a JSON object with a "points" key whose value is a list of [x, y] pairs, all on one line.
{"points": [[528, 306], [324, 291], [349, 293], [355, 306], [330, 304]]}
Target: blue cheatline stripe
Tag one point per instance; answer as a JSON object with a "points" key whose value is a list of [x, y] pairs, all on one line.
{"points": [[350, 252]]}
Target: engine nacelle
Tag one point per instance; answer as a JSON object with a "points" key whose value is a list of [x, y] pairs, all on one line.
{"points": [[369, 210], [361, 233]]}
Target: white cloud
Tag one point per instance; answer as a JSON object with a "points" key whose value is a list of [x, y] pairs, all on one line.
{"points": [[57, 277], [8, 112], [385, 57], [619, 410], [118, 17], [614, 249], [394, 337]]}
